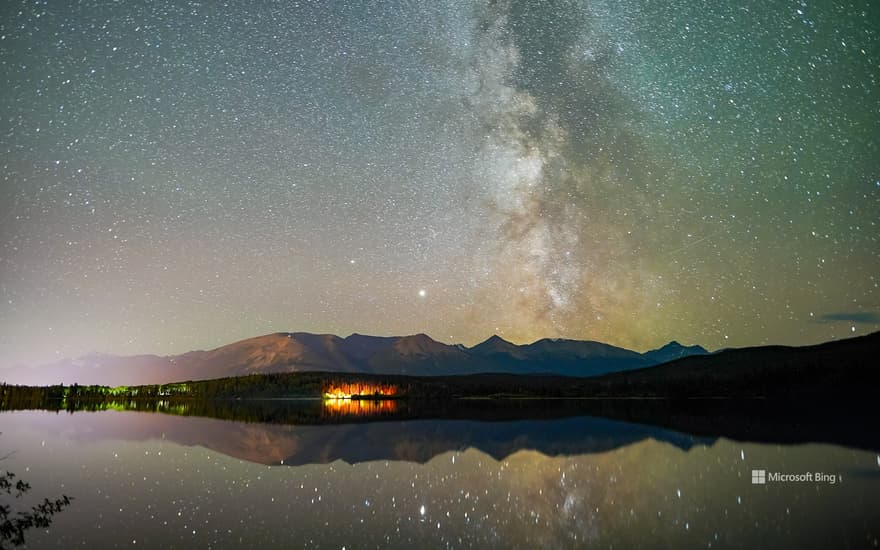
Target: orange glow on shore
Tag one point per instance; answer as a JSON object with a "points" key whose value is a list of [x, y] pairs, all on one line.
{"points": [[359, 389]]}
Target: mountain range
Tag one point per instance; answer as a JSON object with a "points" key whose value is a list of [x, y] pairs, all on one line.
{"points": [[416, 355]]}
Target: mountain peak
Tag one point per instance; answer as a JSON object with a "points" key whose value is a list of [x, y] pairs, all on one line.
{"points": [[676, 345], [495, 339], [674, 350], [421, 346], [494, 343], [421, 339]]}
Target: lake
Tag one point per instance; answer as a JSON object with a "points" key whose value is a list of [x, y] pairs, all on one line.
{"points": [[370, 479]]}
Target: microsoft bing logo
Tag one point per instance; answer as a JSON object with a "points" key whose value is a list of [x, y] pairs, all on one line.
{"points": [[759, 477]]}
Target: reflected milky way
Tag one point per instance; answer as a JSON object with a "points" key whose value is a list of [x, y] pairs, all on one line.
{"points": [[162, 493]]}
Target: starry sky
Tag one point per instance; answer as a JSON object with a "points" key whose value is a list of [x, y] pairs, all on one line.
{"points": [[178, 176]]}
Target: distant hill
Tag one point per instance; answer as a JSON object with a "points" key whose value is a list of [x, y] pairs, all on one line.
{"points": [[416, 355], [836, 369]]}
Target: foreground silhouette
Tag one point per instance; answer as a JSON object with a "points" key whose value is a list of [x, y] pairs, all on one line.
{"points": [[14, 524]]}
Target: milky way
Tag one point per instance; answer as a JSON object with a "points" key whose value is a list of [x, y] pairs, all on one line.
{"points": [[179, 176]]}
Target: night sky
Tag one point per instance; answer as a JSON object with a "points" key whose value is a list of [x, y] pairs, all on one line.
{"points": [[180, 176]]}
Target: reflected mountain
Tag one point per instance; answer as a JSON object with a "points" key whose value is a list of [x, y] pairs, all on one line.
{"points": [[131, 476], [750, 420], [409, 440], [306, 431]]}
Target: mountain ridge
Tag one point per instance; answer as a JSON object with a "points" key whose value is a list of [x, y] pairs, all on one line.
{"points": [[417, 355]]}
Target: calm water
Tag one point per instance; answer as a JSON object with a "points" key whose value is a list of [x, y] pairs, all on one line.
{"points": [[156, 480]]}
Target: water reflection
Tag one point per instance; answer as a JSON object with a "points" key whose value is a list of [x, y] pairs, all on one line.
{"points": [[410, 440], [153, 480], [334, 407], [15, 524], [767, 421]]}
